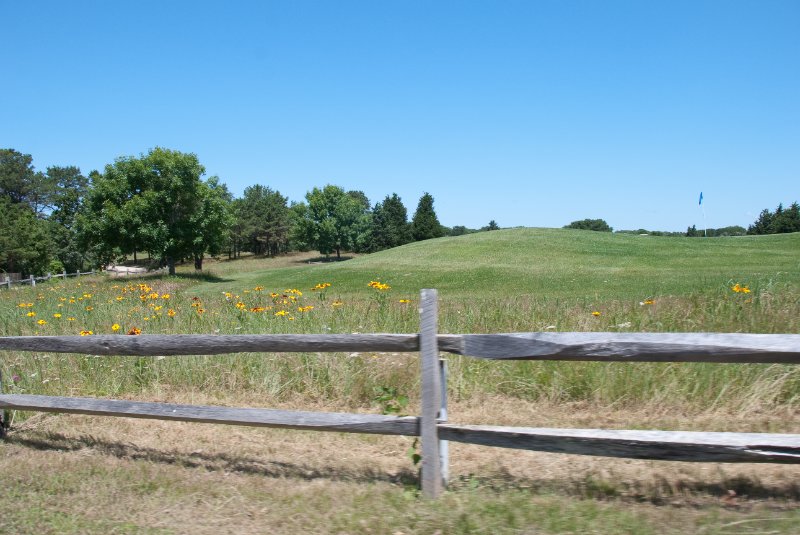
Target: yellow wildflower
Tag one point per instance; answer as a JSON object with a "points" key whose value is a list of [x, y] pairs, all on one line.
{"points": [[115, 327]]}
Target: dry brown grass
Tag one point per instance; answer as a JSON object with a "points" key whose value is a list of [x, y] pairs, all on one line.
{"points": [[89, 474]]}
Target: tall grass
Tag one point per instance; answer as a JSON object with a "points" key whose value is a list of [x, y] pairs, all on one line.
{"points": [[176, 305]]}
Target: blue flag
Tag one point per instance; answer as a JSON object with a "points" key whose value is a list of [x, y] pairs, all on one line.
{"points": [[701, 198]]}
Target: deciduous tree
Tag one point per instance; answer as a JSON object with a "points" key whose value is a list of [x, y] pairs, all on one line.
{"points": [[333, 220], [149, 203]]}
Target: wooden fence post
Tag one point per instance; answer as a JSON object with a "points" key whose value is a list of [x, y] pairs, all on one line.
{"points": [[33, 281], [431, 395], [64, 275]]}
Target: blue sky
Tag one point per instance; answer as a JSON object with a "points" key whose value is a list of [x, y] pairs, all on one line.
{"points": [[531, 113]]}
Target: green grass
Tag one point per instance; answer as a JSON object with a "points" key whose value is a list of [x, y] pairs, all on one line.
{"points": [[555, 263], [501, 281]]}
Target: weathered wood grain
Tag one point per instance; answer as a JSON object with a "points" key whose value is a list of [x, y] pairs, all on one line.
{"points": [[611, 347], [631, 347], [658, 445], [314, 421], [431, 395], [203, 344]]}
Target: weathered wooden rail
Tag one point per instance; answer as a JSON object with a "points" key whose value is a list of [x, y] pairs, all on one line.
{"points": [[431, 425]]}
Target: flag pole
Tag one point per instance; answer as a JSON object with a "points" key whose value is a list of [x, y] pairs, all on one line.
{"points": [[705, 226]]}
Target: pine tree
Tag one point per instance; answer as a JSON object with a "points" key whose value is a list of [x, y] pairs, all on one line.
{"points": [[390, 226], [425, 224]]}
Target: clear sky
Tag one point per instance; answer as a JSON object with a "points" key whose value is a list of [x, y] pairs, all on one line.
{"points": [[531, 113]]}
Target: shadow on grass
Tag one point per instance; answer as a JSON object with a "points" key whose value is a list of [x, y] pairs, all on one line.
{"points": [[323, 260], [729, 491], [220, 462], [202, 277]]}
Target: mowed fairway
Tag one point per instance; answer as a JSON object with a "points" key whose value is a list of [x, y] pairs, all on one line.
{"points": [[81, 474], [558, 263]]}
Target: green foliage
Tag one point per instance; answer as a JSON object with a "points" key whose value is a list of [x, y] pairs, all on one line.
{"points": [[154, 203], [390, 226], [590, 224], [333, 220], [70, 187], [211, 220], [733, 230], [425, 225], [264, 218], [25, 243], [16, 176], [390, 400], [24, 239], [779, 222]]}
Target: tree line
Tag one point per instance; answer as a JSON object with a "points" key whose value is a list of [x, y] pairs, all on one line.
{"points": [[780, 221], [159, 203]]}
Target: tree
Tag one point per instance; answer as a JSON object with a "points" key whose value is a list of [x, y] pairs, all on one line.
{"points": [[211, 221], [16, 175], [332, 221], [491, 226], [25, 244], [425, 224], [149, 203], [24, 239], [763, 224], [390, 226], [264, 218], [69, 189], [590, 224], [787, 220], [21, 183], [783, 220]]}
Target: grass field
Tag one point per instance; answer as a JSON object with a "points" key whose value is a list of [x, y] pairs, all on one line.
{"points": [[501, 281]]}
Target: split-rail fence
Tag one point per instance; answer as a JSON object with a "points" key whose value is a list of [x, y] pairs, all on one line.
{"points": [[8, 281], [431, 425]]}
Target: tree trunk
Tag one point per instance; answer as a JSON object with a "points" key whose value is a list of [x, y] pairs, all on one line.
{"points": [[171, 265], [134, 257], [338, 254], [198, 262]]}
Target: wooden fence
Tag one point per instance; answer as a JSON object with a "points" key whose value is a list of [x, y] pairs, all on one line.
{"points": [[32, 280], [431, 425]]}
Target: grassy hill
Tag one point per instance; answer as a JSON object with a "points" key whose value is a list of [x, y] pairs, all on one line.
{"points": [[554, 263]]}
